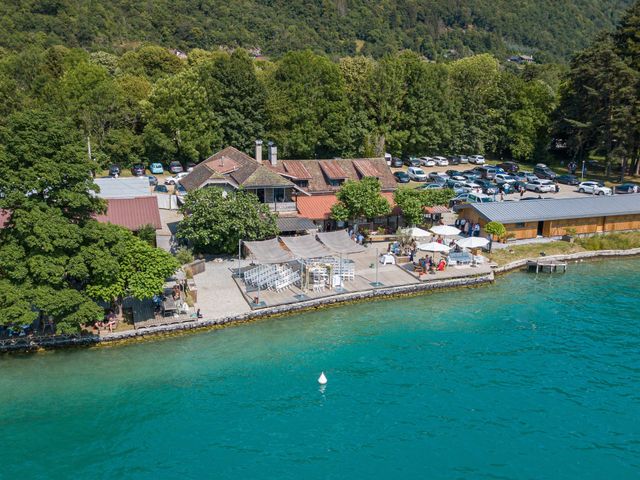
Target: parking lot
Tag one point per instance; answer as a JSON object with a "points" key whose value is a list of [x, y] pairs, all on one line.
{"points": [[566, 191]]}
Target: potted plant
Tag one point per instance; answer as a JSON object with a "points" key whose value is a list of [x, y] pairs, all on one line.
{"points": [[569, 235]]}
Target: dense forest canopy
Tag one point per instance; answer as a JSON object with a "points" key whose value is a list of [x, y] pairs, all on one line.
{"points": [[550, 29]]}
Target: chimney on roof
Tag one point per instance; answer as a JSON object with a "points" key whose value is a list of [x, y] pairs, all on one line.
{"points": [[273, 153], [259, 151]]}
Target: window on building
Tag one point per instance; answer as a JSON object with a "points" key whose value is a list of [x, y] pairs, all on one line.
{"points": [[520, 225]]}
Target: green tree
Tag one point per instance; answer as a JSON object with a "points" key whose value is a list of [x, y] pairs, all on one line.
{"points": [[215, 220], [306, 106], [119, 264], [496, 229], [236, 96], [180, 123], [360, 199], [410, 202]]}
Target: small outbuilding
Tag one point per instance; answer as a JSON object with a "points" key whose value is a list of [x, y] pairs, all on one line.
{"points": [[557, 217]]}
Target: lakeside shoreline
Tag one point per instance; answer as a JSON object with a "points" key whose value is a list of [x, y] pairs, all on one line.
{"points": [[27, 345]]}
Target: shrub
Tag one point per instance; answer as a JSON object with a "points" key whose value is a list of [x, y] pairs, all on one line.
{"points": [[184, 255]]}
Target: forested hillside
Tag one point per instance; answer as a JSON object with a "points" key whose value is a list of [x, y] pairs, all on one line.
{"points": [[550, 29]]}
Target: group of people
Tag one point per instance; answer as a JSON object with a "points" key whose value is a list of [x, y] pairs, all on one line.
{"points": [[429, 264], [356, 237], [467, 227]]}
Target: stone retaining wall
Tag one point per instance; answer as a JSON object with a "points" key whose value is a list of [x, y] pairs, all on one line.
{"points": [[35, 343], [30, 344]]}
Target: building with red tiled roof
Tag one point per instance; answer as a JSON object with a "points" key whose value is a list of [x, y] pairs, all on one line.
{"points": [[307, 187], [132, 213]]}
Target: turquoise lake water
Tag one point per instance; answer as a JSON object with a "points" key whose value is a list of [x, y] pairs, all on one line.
{"points": [[530, 378]]}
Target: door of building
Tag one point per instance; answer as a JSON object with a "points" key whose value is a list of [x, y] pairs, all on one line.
{"points": [[540, 228]]}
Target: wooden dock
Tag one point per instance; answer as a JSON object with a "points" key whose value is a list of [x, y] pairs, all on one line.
{"points": [[546, 266]]}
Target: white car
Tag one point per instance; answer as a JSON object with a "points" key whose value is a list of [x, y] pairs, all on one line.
{"points": [[472, 187], [427, 162], [501, 178], [176, 178], [441, 161], [594, 188], [417, 174], [476, 159], [540, 186]]}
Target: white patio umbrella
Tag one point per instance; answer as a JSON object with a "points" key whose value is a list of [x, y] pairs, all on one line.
{"points": [[434, 247], [416, 232], [445, 230], [472, 242]]}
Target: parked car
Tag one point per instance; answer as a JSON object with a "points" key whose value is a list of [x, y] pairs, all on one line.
{"points": [[506, 188], [501, 178], [402, 177], [470, 198], [488, 172], [180, 190], [427, 162], [190, 166], [456, 175], [525, 176], [567, 179], [454, 160], [440, 177], [463, 159], [396, 162], [417, 174], [138, 170], [153, 180], [161, 189], [412, 162], [627, 188], [431, 186], [477, 159], [542, 171], [471, 175], [441, 161], [114, 170], [518, 184], [176, 178], [488, 187], [540, 185], [457, 187], [472, 187], [509, 167], [156, 168], [175, 167], [594, 188]]}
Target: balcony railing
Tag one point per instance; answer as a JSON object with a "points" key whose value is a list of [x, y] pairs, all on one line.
{"points": [[282, 206]]}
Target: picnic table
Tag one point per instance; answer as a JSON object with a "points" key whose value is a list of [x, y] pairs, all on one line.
{"points": [[460, 258]]}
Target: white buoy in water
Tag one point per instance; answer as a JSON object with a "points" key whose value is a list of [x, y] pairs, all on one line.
{"points": [[322, 380]]}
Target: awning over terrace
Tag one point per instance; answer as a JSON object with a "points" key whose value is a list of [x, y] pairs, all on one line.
{"points": [[340, 242], [306, 246], [269, 251]]}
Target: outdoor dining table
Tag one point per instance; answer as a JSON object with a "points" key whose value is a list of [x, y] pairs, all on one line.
{"points": [[387, 258]]}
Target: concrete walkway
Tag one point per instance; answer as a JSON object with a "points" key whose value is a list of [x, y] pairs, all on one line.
{"points": [[218, 294]]}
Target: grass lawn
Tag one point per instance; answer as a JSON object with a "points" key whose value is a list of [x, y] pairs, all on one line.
{"points": [[612, 241], [519, 252]]}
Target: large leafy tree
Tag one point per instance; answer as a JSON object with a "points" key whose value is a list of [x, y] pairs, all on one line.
{"points": [[180, 122], [306, 106], [55, 259], [360, 199], [236, 96], [216, 220]]}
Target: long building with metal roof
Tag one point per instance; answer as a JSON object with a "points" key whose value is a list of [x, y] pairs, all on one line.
{"points": [[555, 217]]}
